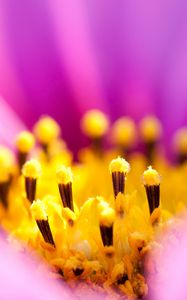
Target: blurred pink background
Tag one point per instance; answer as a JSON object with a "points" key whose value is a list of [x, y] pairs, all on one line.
{"points": [[64, 57]]}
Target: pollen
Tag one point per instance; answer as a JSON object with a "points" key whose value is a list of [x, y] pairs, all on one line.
{"points": [[180, 140], [46, 130], [107, 217], [151, 177], [119, 164], [95, 123], [124, 132], [32, 169], [6, 158], [83, 218], [38, 210], [150, 129], [25, 141], [64, 175]]}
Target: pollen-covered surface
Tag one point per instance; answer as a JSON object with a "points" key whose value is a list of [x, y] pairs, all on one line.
{"points": [[95, 123], [64, 175], [119, 164], [25, 141], [180, 140], [107, 217], [99, 239], [150, 129], [124, 132], [38, 210], [46, 130], [151, 177], [32, 169]]}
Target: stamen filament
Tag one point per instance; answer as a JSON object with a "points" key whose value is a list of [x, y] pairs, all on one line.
{"points": [[151, 180], [107, 217], [4, 190], [40, 216], [64, 178], [119, 167], [45, 230], [107, 235], [31, 171]]}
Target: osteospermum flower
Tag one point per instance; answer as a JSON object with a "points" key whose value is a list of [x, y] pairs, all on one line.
{"points": [[94, 222]]}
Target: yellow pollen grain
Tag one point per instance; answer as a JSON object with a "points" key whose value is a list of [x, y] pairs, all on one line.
{"points": [[124, 132], [151, 177], [107, 217], [64, 175], [119, 164], [25, 141], [68, 214], [150, 129], [94, 123], [101, 203], [180, 140], [38, 210], [31, 169], [6, 158], [46, 130]]}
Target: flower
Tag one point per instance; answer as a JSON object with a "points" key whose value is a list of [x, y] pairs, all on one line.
{"points": [[93, 222], [85, 223]]}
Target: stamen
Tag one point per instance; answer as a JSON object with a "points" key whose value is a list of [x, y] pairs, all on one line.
{"points": [[180, 144], [6, 159], [151, 179], [95, 124], [31, 171], [150, 131], [6, 164], [4, 190], [46, 131], [124, 134], [119, 167], [78, 271], [64, 178], [107, 217], [39, 214], [24, 142]]}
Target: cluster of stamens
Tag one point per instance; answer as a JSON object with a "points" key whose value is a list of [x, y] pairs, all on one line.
{"points": [[104, 238]]}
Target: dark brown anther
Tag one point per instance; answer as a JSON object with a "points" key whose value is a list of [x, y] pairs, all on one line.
{"points": [[122, 279], [78, 271], [22, 157], [153, 196], [30, 188], [118, 180], [66, 195], [107, 235], [4, 190], [60, 272], [45, 230]]}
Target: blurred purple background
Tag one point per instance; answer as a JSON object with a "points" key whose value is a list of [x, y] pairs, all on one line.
{"points": [[64, 57]]}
